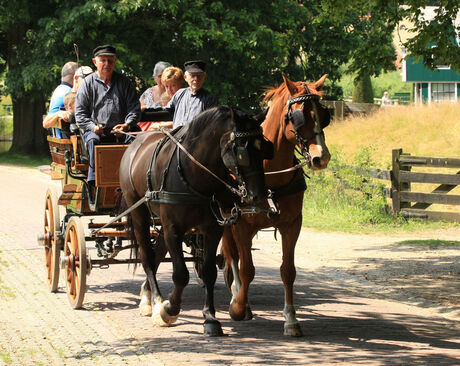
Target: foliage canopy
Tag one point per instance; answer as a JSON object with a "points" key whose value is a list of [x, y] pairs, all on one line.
{"points": [[246, 44]]}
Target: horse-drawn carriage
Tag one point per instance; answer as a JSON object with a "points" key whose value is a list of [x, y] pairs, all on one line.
{"points": [[87, 212], [190, 180]]}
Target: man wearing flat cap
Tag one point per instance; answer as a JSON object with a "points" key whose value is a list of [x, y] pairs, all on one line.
{"points": [[187, 103], [106, 106]]}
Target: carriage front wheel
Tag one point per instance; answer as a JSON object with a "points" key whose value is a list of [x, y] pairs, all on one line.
{"points": [[75, 262], [52, 239]]}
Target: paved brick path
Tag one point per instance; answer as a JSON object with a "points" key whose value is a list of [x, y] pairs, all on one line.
{"points": [[346, 320]]}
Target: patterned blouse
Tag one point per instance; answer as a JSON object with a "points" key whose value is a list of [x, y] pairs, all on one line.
{"points": [[147, 99]]}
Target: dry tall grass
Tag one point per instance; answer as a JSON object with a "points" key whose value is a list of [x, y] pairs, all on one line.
{"points": [[432, 130], [428, 130]]}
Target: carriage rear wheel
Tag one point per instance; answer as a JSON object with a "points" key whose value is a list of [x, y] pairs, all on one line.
{"points": [[75, 262], [52, 239]]}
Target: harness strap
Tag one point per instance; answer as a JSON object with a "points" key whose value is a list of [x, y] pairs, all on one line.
{"points": [[295, 167], [296, 185], [133, 207], [182, 178], [228, 186]]}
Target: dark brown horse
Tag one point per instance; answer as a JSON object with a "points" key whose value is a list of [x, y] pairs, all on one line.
{"points": [[295, 118], [185, 196]]}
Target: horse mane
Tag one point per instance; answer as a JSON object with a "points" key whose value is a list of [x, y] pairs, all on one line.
{"points": [[279, 95], [206, 119]]}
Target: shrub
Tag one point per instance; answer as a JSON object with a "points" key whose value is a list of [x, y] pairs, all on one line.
{"points": [[344, 196]]}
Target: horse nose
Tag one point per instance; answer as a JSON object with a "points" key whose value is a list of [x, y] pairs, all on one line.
{"points": [[316, 162], [256, 196]]}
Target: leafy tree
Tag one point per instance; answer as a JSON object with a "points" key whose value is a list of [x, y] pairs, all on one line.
{"points": [[25, 76], [441, 32], [246, 44]]}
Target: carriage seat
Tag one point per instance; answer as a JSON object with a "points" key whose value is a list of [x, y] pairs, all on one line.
{"points": [[81, 152]]}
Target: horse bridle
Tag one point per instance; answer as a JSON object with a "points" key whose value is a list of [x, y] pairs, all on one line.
{"points": [[298, 120], [236, 155]]}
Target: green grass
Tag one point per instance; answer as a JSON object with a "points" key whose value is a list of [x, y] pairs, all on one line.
{"points": [[339, 199], [23, 160], [432, 244], [5, 357]]}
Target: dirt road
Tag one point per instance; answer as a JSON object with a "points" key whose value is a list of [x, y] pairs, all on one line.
{"points": [[373, 299]]}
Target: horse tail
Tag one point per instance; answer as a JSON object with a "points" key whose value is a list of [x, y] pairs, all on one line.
{"points": [[134, 253]]}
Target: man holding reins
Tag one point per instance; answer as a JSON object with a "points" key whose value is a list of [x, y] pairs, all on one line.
{"points": [[107, 105]]}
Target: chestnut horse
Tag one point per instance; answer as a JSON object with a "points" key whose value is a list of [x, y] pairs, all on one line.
{"points": [[183, 177], [295, 118]]}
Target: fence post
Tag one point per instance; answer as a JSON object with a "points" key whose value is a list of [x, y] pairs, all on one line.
{"points": [[396, 185], [339, 109]]}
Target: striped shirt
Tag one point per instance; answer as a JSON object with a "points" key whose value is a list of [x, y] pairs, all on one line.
{"points": [[185, 106]]}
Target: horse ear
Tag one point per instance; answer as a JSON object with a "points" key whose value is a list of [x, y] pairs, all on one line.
{"points": [[290, 85], [319, 84]]}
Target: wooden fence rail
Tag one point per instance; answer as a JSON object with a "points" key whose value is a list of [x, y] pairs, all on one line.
{"points": [[414, 204]]}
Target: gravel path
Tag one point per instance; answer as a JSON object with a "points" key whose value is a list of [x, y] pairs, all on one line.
{"points": [[373, 299]]}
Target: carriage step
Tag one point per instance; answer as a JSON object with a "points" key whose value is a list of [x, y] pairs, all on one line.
{"points": [[67, 194], [65, 198], [69, 188]]}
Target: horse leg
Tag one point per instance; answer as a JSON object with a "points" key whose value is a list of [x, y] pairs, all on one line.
{"points": [[239, 306], [141, 224], [170, 309], [212, 326], [289, 237], [230, 253], [145, 305]]}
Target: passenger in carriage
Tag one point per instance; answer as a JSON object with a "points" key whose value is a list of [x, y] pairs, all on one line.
{"points": [[151, 98], [51, 119], [67, 116], [80, 74], [57, 99], [187, 103], [107, 105], [172, 80]]}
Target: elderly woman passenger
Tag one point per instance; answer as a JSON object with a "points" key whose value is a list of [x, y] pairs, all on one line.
{"points": [[151, 98], [172, 80]]}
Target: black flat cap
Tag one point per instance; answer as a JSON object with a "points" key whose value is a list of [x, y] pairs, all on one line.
{"points": [[105, 50], [195, 66]]}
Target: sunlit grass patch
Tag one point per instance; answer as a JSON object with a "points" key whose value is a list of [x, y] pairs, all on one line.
{"points": [[5, 357], [431, 243], [23, 160]]}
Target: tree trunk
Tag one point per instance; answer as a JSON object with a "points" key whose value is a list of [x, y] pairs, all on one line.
{"points": [[29, 136]]}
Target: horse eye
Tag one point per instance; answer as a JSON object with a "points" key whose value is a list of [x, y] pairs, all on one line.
{"points": [[258, 144]]}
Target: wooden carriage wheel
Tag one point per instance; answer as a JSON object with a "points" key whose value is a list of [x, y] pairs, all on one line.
{"points": [[75, 262], [52, 242]]}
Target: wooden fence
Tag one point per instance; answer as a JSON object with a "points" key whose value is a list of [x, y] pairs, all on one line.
{"points": [[414, 204]]}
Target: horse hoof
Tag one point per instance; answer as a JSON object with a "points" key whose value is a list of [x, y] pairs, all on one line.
{"points": [[213, 329], [293, 330], [246, 314], [162, 317], [145, 310]]}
